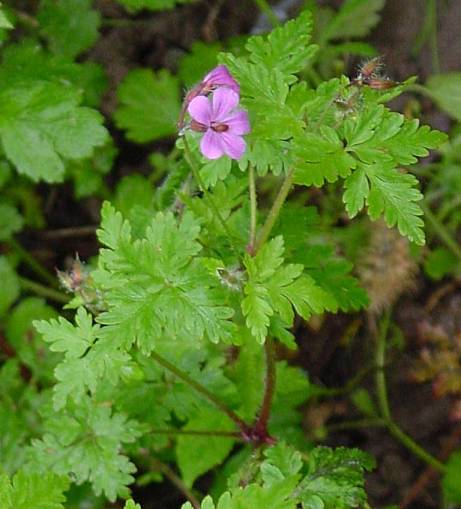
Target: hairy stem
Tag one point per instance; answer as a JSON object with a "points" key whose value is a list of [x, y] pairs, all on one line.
{"points": [[203, 391], [253, 209], [43, 291], [207, 194], [205, 433], [260, 428], [441, 232], [383, 401], [275, 210]]}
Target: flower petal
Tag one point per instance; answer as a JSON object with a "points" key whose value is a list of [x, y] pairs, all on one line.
{"points": [[221, 77], [211, 145], [200, 110], [234, 146], [238, 123], [224, 101]]}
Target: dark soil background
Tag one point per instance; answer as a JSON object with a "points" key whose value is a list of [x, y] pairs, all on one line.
{"points": [[157, 42]]}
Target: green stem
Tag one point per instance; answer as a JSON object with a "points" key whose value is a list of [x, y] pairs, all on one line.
{"points": [[207, 194], [442, 232], [253, 209], [29, 260], [206, 433], [357, 424], [203, 391], [383, 401], [43, 291], [421, 89], [275, 210], [266, 9]]}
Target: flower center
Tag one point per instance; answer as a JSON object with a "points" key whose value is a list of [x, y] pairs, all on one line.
{"points": [[197, 126], [219, 128]]}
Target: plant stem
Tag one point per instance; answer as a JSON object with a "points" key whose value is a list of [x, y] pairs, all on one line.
{"points": [[356, 424], [29, 260], [260, 427], [203, 391], [383, 401], [253, 209], [441, 232], [275, 210], [176, 481], [43, 291], [206, 433], [266, 9], [208, 196]]}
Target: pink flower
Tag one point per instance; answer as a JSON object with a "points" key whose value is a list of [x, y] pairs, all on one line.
{"points": [[217, 77], [222, 126]]}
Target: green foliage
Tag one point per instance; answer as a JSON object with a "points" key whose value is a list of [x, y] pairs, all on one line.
{"points": [[47, 119], [157, 286], [4, 21], [355, 18], [276, 288], [26, 490], [149, 105], [180, 302], [450, 481], [198, 454], [335, 478], [445, 90], [10, 285], [70, 26], [87, 441]]}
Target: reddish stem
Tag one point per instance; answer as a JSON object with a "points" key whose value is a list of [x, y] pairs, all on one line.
{"points": [[259, 432]]}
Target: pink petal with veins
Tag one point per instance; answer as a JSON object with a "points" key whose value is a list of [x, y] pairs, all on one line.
{"points": [[211, 145], [238, 123], [234, 146], [200, 110], [224, 100]]}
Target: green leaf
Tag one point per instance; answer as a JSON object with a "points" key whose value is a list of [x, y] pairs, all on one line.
{"points": [[88, 359], [200, 60], [440, 262], [39, 126], [450, 481], [355, 18], [70, 26], [335, 476], [445, 90], [10, 221], [87, 441], [4, 21], [157, 285], [286, 48], [387, 192], [149, 105], [9, 291], [276, 288], [131, 504], [198, 454], [320, 157], [27, 490], [28, 62]]}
